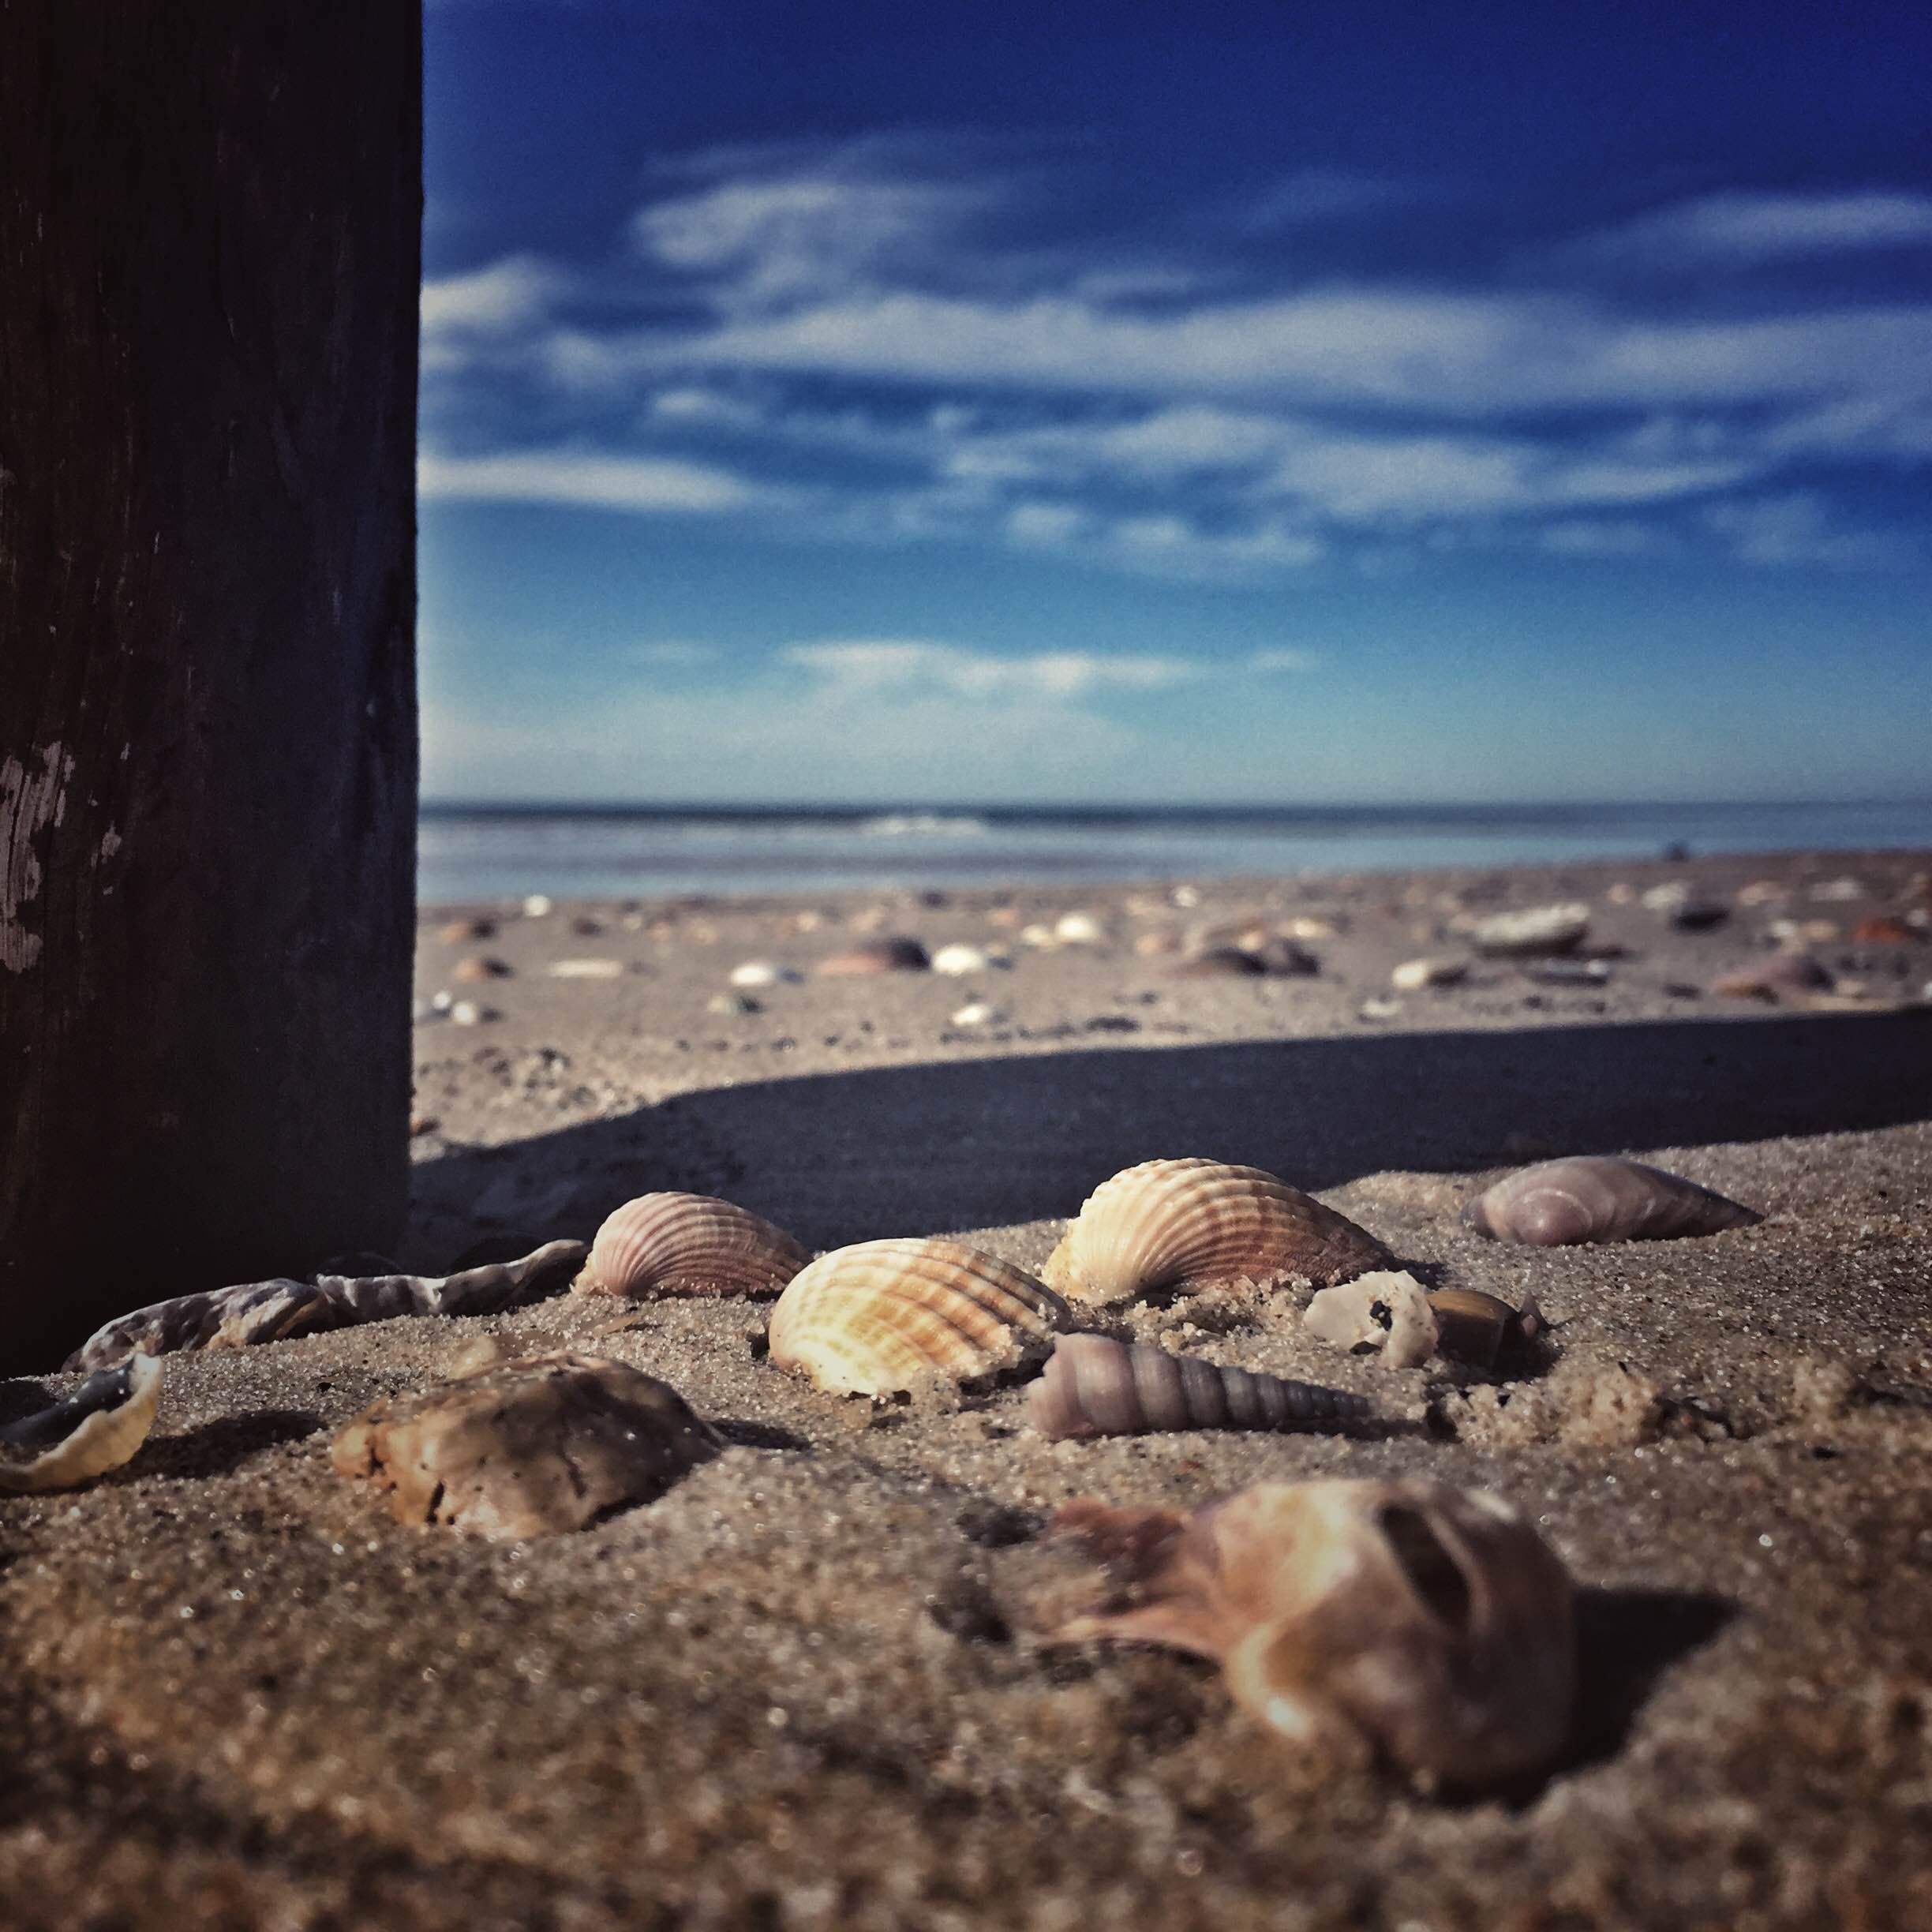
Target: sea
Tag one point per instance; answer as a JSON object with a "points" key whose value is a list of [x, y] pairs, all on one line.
{"points": [[469, 852]]}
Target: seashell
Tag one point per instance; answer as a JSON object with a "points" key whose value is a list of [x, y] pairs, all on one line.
{"points": [[1220, 963], [96, 1428], [763, 973], [1543, 929], [980, 1013], [1885, 929], [1412, 975], [1096, 1386], [1280, 958], [537, 905], [1567, 971], [465, 932], [1080, 929], [1482, 1328], [1386, 1311], [1838, 890], [1598, 1198], [688, 1245], [586, 968], [1784, 976], [1378, 1008], [878, 955], [527, 1448], [733, 1003], [1423, 1625], [271, 1311], [467, 1012], [479, 967], [958, 959], [884, 1316], [1181, 1224]]}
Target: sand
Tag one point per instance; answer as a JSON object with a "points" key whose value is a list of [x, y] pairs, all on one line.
{"points": [[807, 1687]]}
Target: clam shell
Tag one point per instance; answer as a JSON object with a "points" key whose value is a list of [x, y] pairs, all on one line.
{"points": [[96, 1428], [887, 1316], [1181, 1224], [1525, 935], [1410, 1621], [688, 1245], [1599, 1198], [1094, 1385]]}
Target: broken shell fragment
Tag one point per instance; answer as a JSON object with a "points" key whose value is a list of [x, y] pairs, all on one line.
{"points": [[1482, 1328], [878, 955], [1784, 976], [1428, 1625], [1599, 1198], [271, 1311], [1385, 1313], [688, 1245], [1181, 1224], [527, 1448], [1096, 1386], [885, 1316], [96, 1429]]}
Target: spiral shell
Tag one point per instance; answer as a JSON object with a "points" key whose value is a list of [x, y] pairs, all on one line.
{"points": [[96, 1428], [688, 1245], [886, 1316], [1181, 1224], [1598, 1198], [1428, 1626], [1096, 1386]]}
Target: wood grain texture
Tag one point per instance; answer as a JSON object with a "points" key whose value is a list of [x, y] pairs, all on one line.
{"points": [[210, 224]]}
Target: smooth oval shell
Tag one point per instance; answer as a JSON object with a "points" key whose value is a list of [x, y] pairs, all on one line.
{"points": [[883, 1316], [688, 1245], [1411, 1621], [96, 1428], [1599, 1198], [527, 1448], [1181, 1224], [1483, 1328], [1524, 935], [1094, 1385]]}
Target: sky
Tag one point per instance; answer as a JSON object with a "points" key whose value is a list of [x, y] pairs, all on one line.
{"points": [[1142, 403]]}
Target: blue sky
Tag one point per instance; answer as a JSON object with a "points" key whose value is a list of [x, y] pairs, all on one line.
{"points": [[1253, 403]]}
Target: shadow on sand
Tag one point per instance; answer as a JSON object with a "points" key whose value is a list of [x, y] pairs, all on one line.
{"points": [[959, 1144]]}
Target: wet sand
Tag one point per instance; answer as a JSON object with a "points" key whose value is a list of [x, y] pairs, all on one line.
{"points": [[807, 1688]]}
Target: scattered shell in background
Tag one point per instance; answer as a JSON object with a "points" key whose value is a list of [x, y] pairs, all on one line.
{"points": [[1594, 972], [885, 1316], [479, 967], [1080, 929], [1428, 1625], [1598, 1198], [763, 973], [526, 1448], [1094, 1385], [1182, 1224], [1763, 893], [1543, 929], [1784, 975], [1412, 975], [688, 1245], [1220, 962], [958, 959], [1474, 1327], [1310, 928], [1379, 1008], [1386, 1311], [537, 906], [880, 956], [464, 931], [96, 1429], [1885, 929], [1157, 944], [467, 1012], [257, 1312], [585, 969], [1836, 891], [733, 1003], [1281, 958], [980, 1013]]}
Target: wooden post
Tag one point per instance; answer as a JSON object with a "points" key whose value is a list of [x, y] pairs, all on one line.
{"points": [[210, 235]]}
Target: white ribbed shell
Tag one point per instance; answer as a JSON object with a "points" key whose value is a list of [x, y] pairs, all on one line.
{"points": [[885, 1316], [1177, 1224], [688, 1245]]}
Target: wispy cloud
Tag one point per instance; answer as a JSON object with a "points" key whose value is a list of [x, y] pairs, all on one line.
{"points": [[907, 664], [587, 479], [1742, 228], [510, 293]]}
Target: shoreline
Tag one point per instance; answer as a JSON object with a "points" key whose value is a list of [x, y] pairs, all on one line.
{"points": [[808, 1688]]}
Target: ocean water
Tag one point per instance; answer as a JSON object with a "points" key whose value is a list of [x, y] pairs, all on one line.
{"points": [[485, 852]]}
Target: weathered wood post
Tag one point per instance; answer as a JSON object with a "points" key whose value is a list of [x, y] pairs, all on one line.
{"points": [[210, 235]]}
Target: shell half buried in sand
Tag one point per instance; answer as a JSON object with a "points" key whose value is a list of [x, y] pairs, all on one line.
{"points": [[688, 1245], [884, 1317], [1180, 1225], [1094, 1385], [1599, 1198], [1423, 1625], [96, 1429]]}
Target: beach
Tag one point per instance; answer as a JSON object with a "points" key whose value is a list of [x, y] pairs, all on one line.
{"points": [[809, 1687]]}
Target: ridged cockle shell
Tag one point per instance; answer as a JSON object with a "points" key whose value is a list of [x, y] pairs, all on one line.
{"points": [[688, 1245], [96, 1428], [887, 1316], [1094, 1385], [1596, 1198], [1423, 1624], [1181, 1224]]}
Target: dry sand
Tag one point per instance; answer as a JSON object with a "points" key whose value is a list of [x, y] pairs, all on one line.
{"points": [[805, 1688]]}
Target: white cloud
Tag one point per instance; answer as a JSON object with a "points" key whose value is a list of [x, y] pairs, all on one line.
{"points": [[1799, 530], [584, 478], [1737, 229], [902, 664], [1283, 657], [513, 294]]}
